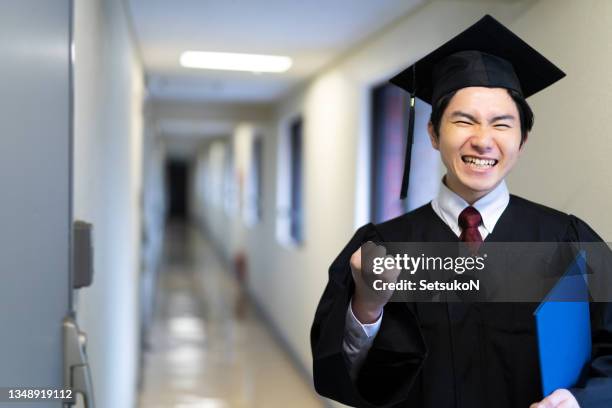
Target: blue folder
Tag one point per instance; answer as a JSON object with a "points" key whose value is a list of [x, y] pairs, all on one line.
{"points": [[564, 329]]}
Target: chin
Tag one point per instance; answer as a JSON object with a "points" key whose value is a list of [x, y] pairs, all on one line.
{"points": [[480, 186]]}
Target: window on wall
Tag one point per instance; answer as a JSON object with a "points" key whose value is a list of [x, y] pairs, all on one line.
{"points": [[289, 199], [253, 204], [214, 190], [389, 106], [230, 199], [388, 144], [295, 178]]}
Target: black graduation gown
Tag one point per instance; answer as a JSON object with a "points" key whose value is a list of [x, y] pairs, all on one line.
{"points": [[443, 355]]}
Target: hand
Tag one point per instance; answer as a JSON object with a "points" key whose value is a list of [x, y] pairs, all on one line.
{"points": [[367, 302], [561, 398]]}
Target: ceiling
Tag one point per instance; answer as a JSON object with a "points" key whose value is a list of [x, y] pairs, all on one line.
{"points": [[313, 33]]}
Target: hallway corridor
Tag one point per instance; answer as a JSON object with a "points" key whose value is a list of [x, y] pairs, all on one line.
{"points": [[208, 348]]}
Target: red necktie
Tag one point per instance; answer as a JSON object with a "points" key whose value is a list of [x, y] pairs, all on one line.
{"points": [[469, 220]]}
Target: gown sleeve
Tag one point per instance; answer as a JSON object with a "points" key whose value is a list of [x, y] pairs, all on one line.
{"points": [[594, 390], [396, 356]]}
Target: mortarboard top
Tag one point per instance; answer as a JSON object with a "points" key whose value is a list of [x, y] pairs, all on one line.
{"points": [[485, 54]]}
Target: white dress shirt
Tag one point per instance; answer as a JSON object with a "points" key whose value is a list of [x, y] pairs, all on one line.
{"points": [[447, 205]]}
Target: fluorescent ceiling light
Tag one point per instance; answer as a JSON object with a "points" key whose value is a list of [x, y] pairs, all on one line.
{"points": [[235, 62]]}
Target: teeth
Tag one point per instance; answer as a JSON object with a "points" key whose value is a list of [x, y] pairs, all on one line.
{"points": [[479, 162]]}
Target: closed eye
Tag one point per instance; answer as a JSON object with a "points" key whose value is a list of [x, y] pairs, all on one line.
{"points": [[502, 126], [462, 122]]}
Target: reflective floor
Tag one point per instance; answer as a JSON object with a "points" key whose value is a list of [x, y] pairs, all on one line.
{"points": [[208, 349]]}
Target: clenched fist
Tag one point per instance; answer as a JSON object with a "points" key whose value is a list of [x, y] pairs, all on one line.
{"points": [[367, 302]]}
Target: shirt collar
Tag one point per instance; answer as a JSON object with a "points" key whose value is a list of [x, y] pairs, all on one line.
{"points": [[491, 206]]}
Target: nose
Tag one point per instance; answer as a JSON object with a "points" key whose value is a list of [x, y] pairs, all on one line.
{"points": [[481, 140]]}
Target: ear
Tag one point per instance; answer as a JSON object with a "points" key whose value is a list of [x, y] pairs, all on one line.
{"points": [[433, 138]]}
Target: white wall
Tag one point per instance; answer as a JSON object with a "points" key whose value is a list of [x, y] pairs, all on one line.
{"points": [[107, 184], [566, 164], [220, 197], [153, 219], [213, 195]]}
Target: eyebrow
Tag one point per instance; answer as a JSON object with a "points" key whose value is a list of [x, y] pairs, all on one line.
{"points": [[473, 119], [502, 117]]}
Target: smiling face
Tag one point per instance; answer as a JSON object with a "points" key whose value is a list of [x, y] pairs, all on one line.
{"points": [[479, 140]]}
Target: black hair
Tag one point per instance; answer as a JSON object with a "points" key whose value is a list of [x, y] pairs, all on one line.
{"points": [[525, 113]]}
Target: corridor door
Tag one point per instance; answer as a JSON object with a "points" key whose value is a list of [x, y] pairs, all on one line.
{"points": [[35, 192]]}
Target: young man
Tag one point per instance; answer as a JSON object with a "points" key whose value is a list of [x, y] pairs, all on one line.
{"points": [[368, 351]]}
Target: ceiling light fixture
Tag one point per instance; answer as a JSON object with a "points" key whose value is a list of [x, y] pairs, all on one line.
{"points": [[235, 62]]}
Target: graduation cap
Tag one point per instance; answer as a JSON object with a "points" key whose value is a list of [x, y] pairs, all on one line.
{"points": [[486, 54]]}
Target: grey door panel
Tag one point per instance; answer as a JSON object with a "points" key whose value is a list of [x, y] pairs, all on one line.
{"points": [[35, 192]]}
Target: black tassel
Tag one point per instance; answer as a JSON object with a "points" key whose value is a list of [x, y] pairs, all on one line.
{"points": [[409, 141]]}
